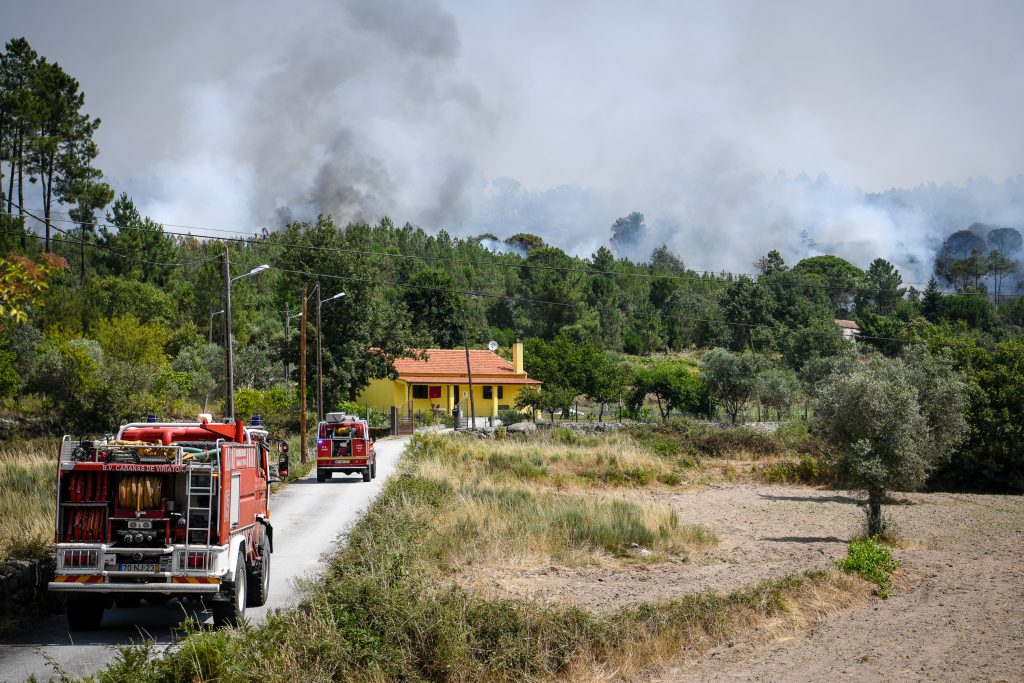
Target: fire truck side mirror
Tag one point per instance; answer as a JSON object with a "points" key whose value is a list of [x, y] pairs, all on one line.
{"points": [[282, 447]]}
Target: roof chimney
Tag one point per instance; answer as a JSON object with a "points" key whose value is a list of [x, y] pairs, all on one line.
{"points": [[517, 357]]}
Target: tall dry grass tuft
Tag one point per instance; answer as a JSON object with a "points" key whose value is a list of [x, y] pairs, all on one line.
{"points": [[528, 504], [28, 480], [613, 461]]}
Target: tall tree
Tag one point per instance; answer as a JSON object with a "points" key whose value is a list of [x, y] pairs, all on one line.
{"points": [[62, 149], [748, 307], [999, 266], [839, 277], [882, 287], [436, 309], [131, 239], [17, 66], [931, 300], [628, 230], [772, 262], [553, 290]]}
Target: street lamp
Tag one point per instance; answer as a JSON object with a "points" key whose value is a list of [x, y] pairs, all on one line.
{"points": [[319, 353], [229, 408], [213, 313]]}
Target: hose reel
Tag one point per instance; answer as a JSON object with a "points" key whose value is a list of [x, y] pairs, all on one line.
{"points": [[140, 491]]}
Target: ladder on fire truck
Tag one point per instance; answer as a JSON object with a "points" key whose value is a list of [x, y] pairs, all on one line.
{"points": [[199, 497]]}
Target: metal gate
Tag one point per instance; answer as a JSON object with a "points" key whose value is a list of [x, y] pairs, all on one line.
{"points": [[403, 419]]}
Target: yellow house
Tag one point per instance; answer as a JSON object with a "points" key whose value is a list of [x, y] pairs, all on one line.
{"points": [[440, 382]]}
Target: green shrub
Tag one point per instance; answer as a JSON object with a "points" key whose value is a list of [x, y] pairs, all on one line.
{"points": [[808, 469], [871, 560], [530, 466], [670, 479]]}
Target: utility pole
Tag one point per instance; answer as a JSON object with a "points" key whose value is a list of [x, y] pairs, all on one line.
{"points": [[229, 406], [302, 378], [469, 372], [319, 362], [287, 340]]}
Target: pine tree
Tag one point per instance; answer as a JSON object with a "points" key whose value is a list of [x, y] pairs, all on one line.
{"points": [[930, 300]]}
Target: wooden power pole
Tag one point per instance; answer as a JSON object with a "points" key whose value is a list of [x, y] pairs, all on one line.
{"points": [[302, 379], [469, 372]]}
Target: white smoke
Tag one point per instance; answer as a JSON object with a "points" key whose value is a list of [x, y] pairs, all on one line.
{"points": [[425, 110]]}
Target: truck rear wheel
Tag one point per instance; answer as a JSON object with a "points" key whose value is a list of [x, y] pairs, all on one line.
{"points": [[259, 577], [373, 469], [230, 609], [366, 473], [85, 613], [127, 600], [321, 477]]}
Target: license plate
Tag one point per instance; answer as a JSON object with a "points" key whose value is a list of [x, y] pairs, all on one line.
{"points": [[341, 462], [133, 567]]}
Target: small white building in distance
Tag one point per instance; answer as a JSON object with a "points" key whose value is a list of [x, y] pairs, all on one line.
{"points": [[850, 329]]}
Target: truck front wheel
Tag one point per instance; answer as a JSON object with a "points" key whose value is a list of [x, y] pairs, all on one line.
{"points": [[373, 469], [85, 613], [230, 609]]}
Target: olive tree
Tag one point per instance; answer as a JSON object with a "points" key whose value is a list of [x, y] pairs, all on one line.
{"points": [[778, 388], [893, 421], [731, 378], [675, 385]]}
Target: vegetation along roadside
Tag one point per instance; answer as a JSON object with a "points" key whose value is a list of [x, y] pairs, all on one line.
{"points": [[390, 609]]}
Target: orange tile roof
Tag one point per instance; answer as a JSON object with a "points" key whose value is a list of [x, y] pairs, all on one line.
{"points": [[448, 366], [847, 324]]}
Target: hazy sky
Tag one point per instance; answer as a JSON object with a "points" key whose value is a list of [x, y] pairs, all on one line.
{"points": [[715, 119]]}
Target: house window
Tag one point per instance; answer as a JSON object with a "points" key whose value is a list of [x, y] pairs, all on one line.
{"points": [[501, 392], [435, 392], [488, 392], [419, 390]]}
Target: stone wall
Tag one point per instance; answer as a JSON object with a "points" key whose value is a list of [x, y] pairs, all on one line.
{"points": [[23, 586]]}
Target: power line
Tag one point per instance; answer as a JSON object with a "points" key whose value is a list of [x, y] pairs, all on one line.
{"points": [[695, 276], [80, 241], [771, 328], [750, 326]]}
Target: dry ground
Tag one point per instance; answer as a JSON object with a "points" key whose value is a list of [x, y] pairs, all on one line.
{"points": [[957, 612]]}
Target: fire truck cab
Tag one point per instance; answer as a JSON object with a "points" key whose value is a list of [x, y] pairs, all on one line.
{"points": [[165, 510], [343, 444]]}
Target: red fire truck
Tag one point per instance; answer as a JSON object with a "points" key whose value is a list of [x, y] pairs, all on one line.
{"points": [[343, 444], [165, 510]]}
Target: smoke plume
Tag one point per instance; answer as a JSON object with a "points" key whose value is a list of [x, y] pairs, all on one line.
{"points": [[717, 122]]}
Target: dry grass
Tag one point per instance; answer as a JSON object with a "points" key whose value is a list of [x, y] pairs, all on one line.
{"points": [[388, 609], [28, 479], [548, 502], [562, 461], [757, 616]]}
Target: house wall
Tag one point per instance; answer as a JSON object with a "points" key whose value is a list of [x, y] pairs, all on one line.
{"points": [[384, 393]]}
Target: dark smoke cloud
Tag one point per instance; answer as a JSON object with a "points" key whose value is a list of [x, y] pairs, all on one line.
{"points": [[239, 115]]}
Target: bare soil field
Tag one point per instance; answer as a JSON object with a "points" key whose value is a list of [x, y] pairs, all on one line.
{"points": [[956, 613]]}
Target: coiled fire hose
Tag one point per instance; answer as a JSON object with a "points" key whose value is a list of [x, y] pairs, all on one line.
{"points": [[140, 491]]}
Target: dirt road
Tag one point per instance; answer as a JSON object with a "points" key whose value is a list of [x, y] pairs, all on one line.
{"points": [[308, 518], [957, 612]]}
